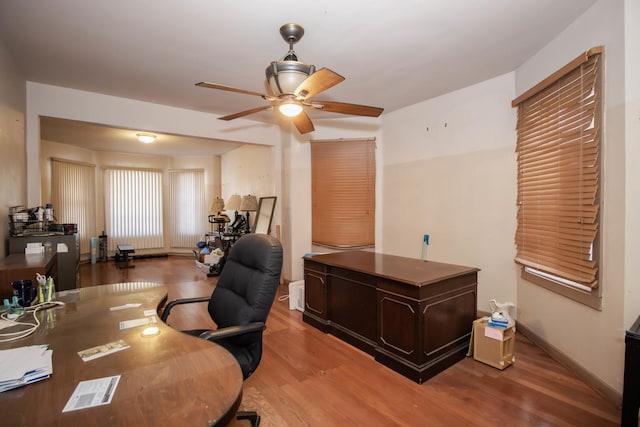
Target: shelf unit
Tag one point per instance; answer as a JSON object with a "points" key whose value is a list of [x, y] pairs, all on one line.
{"points": [[495, 348]]}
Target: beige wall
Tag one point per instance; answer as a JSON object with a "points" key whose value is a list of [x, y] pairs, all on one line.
{"points": [[210, 164], [593, 339], [632, 160], [12, 140], [450, 172], [250, 170]]}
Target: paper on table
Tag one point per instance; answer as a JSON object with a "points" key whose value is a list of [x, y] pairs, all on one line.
{"points": [[126, 324], [24, 365], [102, 350], [124, 307], [92, 393]]}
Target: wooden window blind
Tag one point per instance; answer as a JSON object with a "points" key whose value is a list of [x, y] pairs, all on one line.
{"points": [[343, 175], [558, 154]]}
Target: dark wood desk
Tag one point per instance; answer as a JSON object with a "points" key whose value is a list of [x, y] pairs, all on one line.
{"points": [[413, 316], [170, 379], [21, 266]]}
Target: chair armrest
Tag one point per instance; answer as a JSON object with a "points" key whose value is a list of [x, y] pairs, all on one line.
{"points": [[171, 304], [232, 331]]}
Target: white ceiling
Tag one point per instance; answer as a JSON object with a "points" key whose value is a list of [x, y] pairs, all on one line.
{"points": [[393, 53]]}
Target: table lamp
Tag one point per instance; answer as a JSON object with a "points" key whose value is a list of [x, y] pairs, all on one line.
{"points": [[217, 205], [249, 204]]}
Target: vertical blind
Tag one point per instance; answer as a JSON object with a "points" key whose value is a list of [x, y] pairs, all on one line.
{"points": [[558, 151], [343, 175], [73, 197], [133, 208], [187, 209]]}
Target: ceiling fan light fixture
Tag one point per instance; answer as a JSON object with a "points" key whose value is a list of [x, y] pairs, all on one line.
{"points": [[147, 138], [290, 109], [284, 77]]}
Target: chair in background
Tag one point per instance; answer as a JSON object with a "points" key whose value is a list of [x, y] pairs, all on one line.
{"points": [[241, 301]]}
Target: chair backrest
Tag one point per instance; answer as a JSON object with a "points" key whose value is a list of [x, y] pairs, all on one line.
{"points": [[248, 284]]}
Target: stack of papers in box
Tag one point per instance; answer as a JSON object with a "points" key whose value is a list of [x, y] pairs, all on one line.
{"points": [[24, 365]]}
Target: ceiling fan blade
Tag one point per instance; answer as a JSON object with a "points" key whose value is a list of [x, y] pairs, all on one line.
{"points": [[303, 123], [344, 108], [245, 113], [317, 82], [233, 89]]}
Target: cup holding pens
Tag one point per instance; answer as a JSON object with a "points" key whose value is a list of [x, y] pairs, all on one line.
{"points": [[46, 288], [24, 291]]}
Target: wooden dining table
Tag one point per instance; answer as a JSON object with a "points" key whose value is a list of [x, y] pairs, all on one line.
{"points": [[166, 379]]}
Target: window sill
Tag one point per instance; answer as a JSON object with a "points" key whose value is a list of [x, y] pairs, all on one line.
{"points": [[591, 298]]}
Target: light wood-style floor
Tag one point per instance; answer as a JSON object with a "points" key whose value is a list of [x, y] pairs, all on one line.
{"points": [[308, 378]]}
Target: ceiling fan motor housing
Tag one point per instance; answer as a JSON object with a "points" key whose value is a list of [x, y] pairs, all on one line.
{"points": [[284, 77]]}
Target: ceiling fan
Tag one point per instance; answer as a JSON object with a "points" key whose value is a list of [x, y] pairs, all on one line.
{"points": [[294, 84]]}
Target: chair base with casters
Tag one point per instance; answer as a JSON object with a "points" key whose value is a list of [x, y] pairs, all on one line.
{"points": [[241, 301]]}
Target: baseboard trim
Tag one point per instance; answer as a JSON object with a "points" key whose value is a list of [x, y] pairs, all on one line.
{"points": [[578, 370], [591, 380]]}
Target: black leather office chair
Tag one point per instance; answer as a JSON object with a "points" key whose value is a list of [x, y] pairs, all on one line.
{"points": [[241, 301]]}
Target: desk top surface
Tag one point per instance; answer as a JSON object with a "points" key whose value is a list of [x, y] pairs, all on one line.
{"points": [[15, 261], [407, 270], [170, 379]]}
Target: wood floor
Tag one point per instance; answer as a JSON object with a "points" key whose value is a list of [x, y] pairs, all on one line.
{"points": [[308, 378]]}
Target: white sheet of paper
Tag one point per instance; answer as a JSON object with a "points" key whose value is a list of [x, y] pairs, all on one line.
{"points": [[124, 307], [126, 324], [92, 393], [493, 333], [102, 350]]}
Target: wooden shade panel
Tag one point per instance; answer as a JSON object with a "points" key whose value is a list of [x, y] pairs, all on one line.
{"points": [[317, 82], [343, 193], [345, 108], [558, 152], [303, 123]]}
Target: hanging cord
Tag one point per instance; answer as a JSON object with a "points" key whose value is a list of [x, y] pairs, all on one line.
{"points": [[31, 327]]}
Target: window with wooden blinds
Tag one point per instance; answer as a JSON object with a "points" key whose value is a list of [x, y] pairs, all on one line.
{"points": [[343, 176], [558, 150]]}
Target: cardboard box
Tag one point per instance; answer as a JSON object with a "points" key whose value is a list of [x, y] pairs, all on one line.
{"points": [[494, 346]]}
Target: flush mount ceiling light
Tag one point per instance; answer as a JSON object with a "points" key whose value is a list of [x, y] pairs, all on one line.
{"points": [[147, 138]]}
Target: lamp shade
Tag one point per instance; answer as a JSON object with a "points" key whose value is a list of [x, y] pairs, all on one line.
{"points": [[233, 203], [217, 205], [249, 203], [285, 76]]}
